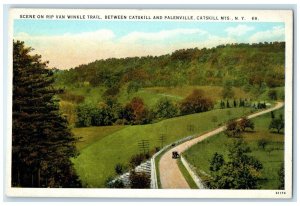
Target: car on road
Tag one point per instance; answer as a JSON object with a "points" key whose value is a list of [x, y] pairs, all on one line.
{"points": [[175, 155]]}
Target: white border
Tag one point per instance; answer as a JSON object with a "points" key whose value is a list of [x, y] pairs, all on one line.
{"points": [[265, 16]]}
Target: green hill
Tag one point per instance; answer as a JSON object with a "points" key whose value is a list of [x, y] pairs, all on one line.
{"points": [[97, 160], [242, 65]]}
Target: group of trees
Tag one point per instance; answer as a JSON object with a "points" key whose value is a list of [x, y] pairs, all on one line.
{"points": [[42, 144], [137, 112], [241, 171], [236, 128], [241, 103]]}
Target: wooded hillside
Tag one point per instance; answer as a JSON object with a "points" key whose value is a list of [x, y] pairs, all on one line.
{"points": [[240, 65]]}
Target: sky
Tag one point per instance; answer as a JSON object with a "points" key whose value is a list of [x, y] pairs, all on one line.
{"points": [[67, 44]]}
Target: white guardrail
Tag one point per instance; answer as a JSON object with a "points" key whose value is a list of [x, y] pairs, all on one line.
{"points": [[192, 173], [154, 183]]}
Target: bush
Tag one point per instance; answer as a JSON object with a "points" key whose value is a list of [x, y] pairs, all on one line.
{"points": [[246, 123], [136, 112], [272, 94], [165, 108], [195, 103], [233, 129], [133, 87], [112, 91], [119, 168], [84, 117], [136, 160], [262, 143], [139, 180], [216, 163], [277, 124], [111, 183]]}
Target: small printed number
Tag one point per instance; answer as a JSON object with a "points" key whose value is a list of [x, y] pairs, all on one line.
{"points": [[280, 193]]}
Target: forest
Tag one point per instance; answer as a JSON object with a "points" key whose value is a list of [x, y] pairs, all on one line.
{"points": [[241, 65]]}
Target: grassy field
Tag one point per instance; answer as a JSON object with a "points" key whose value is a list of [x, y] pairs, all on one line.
{"points": [[186, 175], [89, 135], [97, 161], [271, 157]]}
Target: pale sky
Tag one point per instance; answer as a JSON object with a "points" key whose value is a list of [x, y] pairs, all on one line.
{"points": [[67, 44]]}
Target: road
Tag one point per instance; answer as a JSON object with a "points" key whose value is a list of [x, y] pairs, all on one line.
{"points": [[170, 175]]}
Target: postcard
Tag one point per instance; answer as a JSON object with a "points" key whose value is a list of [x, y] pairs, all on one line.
{"points": [[150, 103]]}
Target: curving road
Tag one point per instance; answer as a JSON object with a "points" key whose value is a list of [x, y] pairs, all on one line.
{"points": [[170, 175]]}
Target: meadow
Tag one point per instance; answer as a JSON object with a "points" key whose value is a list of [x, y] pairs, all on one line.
{"points": [[96, 161], [271, 156]]}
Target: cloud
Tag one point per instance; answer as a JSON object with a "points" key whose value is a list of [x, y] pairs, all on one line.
{"points": [[275, 34], [161, 35], [70, 50], [239, 30]]}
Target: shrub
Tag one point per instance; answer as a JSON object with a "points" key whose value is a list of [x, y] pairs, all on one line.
{"points": [[277, 124], [139, 180], [136, 160], [136, 112], [272, 94], [233, 129], [111, 183], [165, 108], [216, 163], [262, 143], [119, 168], [246, 123], [195, 103]]}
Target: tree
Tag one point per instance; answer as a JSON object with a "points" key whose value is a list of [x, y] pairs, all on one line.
{"points": [[272, 94], [262, 143], [133, 87], [277, 124], [216, 163], [84, 115], [240, 172], [139, 180], [42, 143], [234, 103], [136, 112], [227, 104], [272, 115], [195, 103], [165, 108], [119, 168], [233, 129], [246, 123], [222, 104], [242, 103]]}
